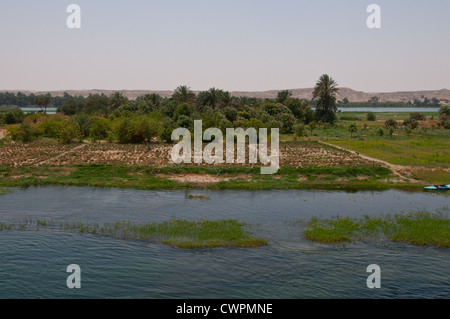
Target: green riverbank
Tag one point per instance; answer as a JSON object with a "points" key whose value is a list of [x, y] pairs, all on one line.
{"points": [[184, 177]]}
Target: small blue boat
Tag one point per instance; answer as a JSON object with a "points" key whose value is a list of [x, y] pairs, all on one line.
{"points": [[437, 188]]}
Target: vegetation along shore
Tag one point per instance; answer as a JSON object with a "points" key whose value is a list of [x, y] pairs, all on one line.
{"points": [[111, 141]]}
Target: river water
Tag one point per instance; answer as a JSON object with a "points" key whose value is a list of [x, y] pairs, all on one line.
{"points": [[33, 262]]}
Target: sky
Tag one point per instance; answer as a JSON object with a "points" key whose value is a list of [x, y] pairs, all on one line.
{"points": [[235, 45]]}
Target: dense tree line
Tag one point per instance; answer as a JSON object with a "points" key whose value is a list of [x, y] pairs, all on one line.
{"points": [[116, 118], [23, 100]]}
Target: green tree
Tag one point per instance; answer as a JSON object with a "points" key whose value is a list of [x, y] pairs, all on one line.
{"points": [[116, 100], [283, 96], [43, 101], [391, 123], [230, 113], [100, 128], [210, 98], [324, 95], [69, 131], [374, 100], [183, 94], [371, 116], [352, 129]]}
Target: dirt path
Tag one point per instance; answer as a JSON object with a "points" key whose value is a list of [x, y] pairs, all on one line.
{"points": [[398, 170], [49, 160]]}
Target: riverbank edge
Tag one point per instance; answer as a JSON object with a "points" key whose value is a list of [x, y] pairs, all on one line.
{"points": [[220, 178]]}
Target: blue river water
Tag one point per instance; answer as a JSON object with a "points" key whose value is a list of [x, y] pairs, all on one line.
{"points": [[33, 262]]}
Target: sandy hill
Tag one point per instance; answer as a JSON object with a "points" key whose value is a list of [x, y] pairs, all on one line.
{"points": [[306, 93]]}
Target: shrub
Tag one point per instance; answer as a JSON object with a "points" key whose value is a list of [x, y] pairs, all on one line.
{"points": [[146, 129], [390, 131], [411, 123], [184, 121], [288, 122], [100, 128], [444, 117], [371, 116], [51, 127], [10, 118], [69, 131], [124, 130], [137, 129], [24, 133], [84, 122], [380, 132], [231, 114], [352, 129], [299, 130], [166, 132], [417, 116], [444, 110], [391, 123]]}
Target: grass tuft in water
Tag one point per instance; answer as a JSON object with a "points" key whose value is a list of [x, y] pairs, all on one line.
{"points": [[4, 190], [420, 228], [179, 233]]}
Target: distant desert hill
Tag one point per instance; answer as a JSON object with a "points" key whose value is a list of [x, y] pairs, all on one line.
{"points": [[352, 95]]}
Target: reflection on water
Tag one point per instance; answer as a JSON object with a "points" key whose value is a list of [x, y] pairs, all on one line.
{"points": [[33, 263]]}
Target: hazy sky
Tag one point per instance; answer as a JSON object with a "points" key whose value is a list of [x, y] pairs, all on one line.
{"points": [[229, 44]]}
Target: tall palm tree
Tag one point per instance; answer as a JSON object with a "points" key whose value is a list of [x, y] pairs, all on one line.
{"points": [[325, 96], [183, 94], [210, 97], [117, 100]]}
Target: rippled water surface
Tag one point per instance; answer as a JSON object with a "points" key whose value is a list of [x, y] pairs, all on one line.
{"points": [[33, 263]]}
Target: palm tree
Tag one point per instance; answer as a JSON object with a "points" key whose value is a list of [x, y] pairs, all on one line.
{"points": [[210, 97], [183, 94], [325, 96], [116, 101]]}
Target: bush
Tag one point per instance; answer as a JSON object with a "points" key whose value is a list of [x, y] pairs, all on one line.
{"points": [[51, 127], [417, 117], [69, 131], [100, 128], [230, 113], [391, 123], [352, 129], [124, 130], [146, 128], [84, 122], [444, 117], [390, 131], [299, 130], [10, 118], [137, 129], [444, 110], [288, 122], [24, 133], [371, 116], [411, 123], [380, 132]]}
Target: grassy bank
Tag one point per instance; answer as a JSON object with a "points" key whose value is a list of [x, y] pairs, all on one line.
{"points": [[4, 190], [179, 233], [421, 228], [147, 177]]}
